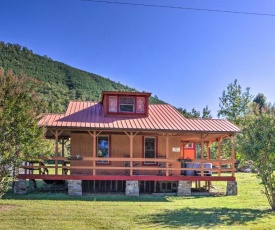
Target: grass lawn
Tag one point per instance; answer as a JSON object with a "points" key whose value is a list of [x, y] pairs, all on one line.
{"points": [[248, 210]]}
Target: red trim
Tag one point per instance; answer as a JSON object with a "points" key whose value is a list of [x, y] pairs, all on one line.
{"points": [[108, 100], [145, 105], [109, 143], [126, 178], [143, 153], [129, 113]]}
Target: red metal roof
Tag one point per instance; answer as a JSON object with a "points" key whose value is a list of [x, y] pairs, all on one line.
{"points": [[162, 117]]}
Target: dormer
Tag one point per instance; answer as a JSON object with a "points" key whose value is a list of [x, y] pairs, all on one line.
{"points": [[125, 103]]}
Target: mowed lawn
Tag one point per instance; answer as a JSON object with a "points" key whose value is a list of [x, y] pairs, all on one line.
{"points": [[248, 210]]}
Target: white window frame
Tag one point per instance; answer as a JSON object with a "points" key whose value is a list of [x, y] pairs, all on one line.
{"points": [[126, 104]]}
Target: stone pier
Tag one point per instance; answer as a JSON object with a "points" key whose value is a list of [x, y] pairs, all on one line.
{"points": [[232, 188], [75, 187], [32, 184], [184, 188], [132, 188], [20, 187]]}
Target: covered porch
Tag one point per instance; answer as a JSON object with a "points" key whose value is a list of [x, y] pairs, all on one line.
{"points": [[170, 164]]}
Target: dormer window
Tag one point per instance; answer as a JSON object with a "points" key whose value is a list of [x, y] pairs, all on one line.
{"points": [[125, 103]]}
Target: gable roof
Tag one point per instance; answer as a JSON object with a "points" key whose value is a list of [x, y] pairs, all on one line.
{"points": [[162, 118]]}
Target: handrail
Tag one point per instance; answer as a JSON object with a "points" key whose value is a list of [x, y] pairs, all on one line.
{"points": [[122, 159], [126, 168], [165, 167]]}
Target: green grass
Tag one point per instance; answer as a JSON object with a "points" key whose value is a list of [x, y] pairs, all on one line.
{"points": [[248, 210]]}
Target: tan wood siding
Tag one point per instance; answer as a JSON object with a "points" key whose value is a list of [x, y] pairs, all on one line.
{"points": [[81, 144]]}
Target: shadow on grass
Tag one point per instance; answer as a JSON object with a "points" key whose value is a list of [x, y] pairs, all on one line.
{"points": [[206, 217], [112, 197]]}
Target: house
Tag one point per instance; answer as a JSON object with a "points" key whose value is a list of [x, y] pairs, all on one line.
{"points": [[125, 144]]}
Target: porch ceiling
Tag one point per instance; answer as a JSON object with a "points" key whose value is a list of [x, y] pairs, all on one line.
{"points": [[185, 136]]}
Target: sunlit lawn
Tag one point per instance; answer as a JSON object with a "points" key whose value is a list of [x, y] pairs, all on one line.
{"points": [[248, 210]]}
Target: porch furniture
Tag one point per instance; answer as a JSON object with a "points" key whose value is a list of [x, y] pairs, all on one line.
{"points": [[206, 172]]}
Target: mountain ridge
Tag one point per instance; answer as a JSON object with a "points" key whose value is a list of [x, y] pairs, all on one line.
{"points": [[59, 82]]}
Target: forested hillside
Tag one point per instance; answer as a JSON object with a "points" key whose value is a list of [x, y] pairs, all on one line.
{"points": [[59, 82]]}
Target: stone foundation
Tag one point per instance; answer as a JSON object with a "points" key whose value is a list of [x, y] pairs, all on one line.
{"points": [[20, 187], [184, 188], [232, 188], [132, 188], [32, 184], [75, 187]]}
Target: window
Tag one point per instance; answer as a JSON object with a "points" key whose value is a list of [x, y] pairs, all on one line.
{"points": [[119, 104], [189, 146], [127, 104], [113, 104], [103, 148], [150, 149], [140, 105]]}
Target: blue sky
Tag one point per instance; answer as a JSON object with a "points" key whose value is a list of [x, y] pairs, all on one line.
{"points": [[185, 57]]}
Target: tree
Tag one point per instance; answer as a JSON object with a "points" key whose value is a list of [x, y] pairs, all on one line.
{"points": [[20, 137], [234, 103], [258, 144], [260, 100], [195, 113], [206, 113]]}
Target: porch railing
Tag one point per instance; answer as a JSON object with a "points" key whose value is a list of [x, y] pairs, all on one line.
{"points": [[169, 166]]}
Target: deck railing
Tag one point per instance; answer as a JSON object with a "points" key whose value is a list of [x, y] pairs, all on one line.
{"points": [[168, 166]]}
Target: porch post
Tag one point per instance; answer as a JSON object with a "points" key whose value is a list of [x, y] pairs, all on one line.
{"points": [[202, 147], [56, 134], [208, 183], [219, 155], [182, 149], [233, 155], [94, 135], [202, 156], [131, 153], [208, 150], [62, 150], [219, 148], [94, 151], [56, 151], [167, 154], [131, 135]]}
